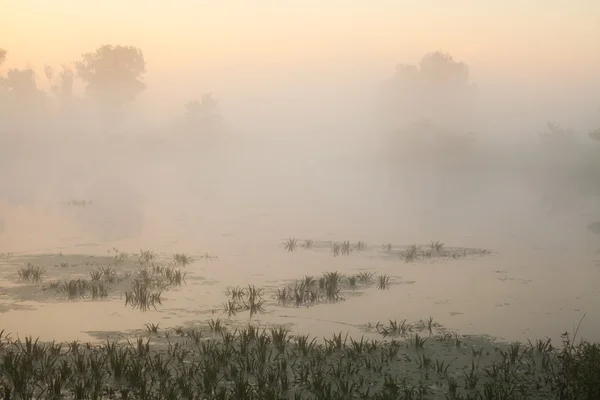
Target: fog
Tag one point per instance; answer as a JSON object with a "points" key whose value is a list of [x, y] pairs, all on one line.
{"points": [[94, 157], [315, 147]]}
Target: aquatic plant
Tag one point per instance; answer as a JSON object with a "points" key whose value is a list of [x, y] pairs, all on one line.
{"points": [[308, 244], [146, 256], [31, 273], [365, 277], [335, 249], [346, 248], [251, 363], [182, 259], [142, 297], [290, 244], [152, 328], [383, 282], [411, 253], [437, 247], [74, 289]]}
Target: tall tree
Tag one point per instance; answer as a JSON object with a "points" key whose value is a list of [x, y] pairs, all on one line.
{"points": [[436, 90], [203, 114], [113, 76]]}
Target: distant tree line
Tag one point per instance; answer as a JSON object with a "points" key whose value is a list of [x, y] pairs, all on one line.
{"points": [[113, 76]]}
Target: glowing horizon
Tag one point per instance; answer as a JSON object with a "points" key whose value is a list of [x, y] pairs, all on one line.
{"points": [[530, 37]]}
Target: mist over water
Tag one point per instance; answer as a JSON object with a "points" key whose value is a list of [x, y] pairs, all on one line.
{"points": [[327, 157]]}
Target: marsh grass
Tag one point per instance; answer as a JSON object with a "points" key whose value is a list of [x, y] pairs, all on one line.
{"points": [[76, 289], [411, 253], [436, 247], [383, 282], [308, 244], [361, 246], [152, 328], [244, 299], [31, 273], [182, 259], [290, 245], [365, 277], [395, 328], [335, 249], [146, 256], [309, 291], [346, 248], [98, 290], [352, 281], [80, 203], [95, 275], [253, 363], [142, 297]]}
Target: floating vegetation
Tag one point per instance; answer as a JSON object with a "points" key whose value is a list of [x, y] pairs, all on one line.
{"points": [[383, 282], [146, 256], [346, 249], [174, 277], [119, 257], [80, 203], [308, 244], [31, 273], [95, 275], [395, 328], [365, 277], [336, 249], [411, 253], [309, 291], [352, 281], [290, 245], [437, 247], [182, 259], [248, 299], [76, 289], [361, 246], [152, 328], [98, 290], [142, 297]]}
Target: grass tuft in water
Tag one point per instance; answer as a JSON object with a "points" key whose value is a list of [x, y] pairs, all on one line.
{"points": [[290, 245], [182, 259], [31, 273], [383, 282]]}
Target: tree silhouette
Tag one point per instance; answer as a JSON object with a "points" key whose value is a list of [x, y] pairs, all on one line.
{"points": [[203, 114], [437, 91], [21, 82], [113, 76], [2, 56]]}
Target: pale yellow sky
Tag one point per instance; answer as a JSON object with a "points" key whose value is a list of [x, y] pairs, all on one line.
{"points": [[238, 47], [216, 33]]}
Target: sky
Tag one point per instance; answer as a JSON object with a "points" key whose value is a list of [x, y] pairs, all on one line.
{"points": [[225, 32], [225, 42]]}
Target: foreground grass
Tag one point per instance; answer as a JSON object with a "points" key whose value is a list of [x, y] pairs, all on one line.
{"points": [[270, 363]]}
